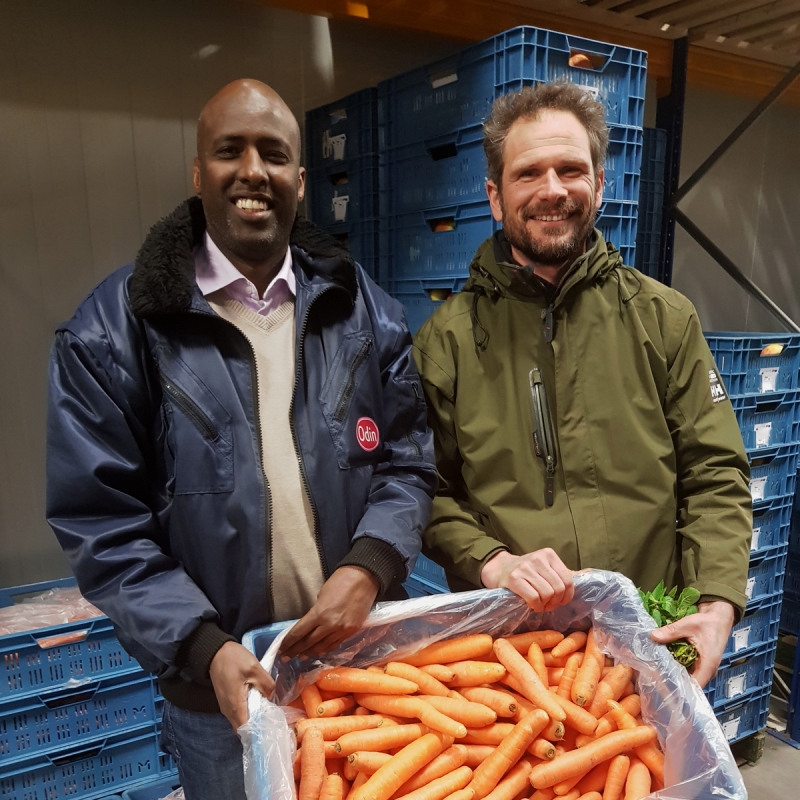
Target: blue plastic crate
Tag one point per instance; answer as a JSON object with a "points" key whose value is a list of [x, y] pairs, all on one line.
{"points": [[742, 677], [745, 370], [790, 613], [153, 790], [345, 192], [361, 238], [417, 586], [88, 772], [766, 420], [740, 719], [773, 472], [765, 575], [431, 572], [66, 719], [757, 627], [420, 299], [617, 222], [343, 129], [651, 201], [258, 641], [771, 524], [459, 90]]}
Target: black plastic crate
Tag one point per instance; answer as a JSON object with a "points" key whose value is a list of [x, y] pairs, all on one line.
{"points": [[651, 202]]}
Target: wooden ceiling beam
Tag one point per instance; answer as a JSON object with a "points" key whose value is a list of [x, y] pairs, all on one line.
{"points": [[735, 22], [751, 32], [782, 37], [637, 8], [696, 12]]}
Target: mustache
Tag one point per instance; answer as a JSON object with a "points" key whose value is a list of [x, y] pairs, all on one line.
{"points": [[565, 207]]}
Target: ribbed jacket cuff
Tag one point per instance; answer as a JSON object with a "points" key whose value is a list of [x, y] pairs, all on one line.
{"points": [[199, 648], [377, 557], [738, 611]]}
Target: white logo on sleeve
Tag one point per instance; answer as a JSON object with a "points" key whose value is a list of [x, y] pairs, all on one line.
{"points": [[717, 389]]}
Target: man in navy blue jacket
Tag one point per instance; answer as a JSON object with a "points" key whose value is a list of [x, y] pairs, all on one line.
{"points": [[236, 436]]}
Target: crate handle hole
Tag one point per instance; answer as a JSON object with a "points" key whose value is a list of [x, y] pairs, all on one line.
{"points": [[339, 178], [584, 60], [443, 151], [442, 224], [440, 295]]}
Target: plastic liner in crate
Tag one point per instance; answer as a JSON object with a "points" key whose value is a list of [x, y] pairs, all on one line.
{"points": [[452, 169], [616, 220], [87, 772], [343, 192], [773, 471], [757, 627], [435, 243], [790, 613], [420, 298], [756, 363], [361, 238], [765, 575], [739, 719], [771, 524], [698, 761], [153, 790], [766, 420], [742, 676], [459, 90], [64, 719], [344, 129], [651, 202]]}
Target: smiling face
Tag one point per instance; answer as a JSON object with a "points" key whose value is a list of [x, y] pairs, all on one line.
{"points": [[550, 193], [247, 173]]}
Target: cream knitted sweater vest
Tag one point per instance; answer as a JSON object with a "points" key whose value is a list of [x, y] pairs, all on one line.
{"points": [[296, 569]]}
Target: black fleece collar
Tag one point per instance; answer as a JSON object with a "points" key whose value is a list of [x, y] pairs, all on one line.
{"points": [[163, 279]]}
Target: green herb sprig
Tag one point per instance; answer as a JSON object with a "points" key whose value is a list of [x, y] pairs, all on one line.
{"points": [[664, 607]]}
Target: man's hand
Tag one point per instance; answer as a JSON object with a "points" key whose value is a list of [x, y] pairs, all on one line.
{"points": [[342, 605], [540, 578], [708, 630], [234, 671]]}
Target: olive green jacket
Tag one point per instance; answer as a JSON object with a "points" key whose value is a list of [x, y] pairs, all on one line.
{"points": [[643, 436]]}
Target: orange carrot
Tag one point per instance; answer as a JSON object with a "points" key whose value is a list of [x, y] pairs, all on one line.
{"points": [[399, 768], [349, 679], [499, 702], [334, 765], [649, 752], [332, 728], [617, 773], [580, 761], [475, 673], [554, 732], [311, 700], [530, 685], [350, 771], [361, 711], [376, 669], [536, 660], [368, 761], [568, 740], [568, 784], [585, 684], [568, 676], [465, 648], [576, 717], [361, 779], [591, 796], [554, 674], [628, 690], [446, 762], [632, 704], [638, 782], [570, 644], [610, 688], [329, 695], [473, 715], [332, 787], [509, 751], [491, 734], [332, 708], [415, 708], [513, 783], [521, 642], [595, 779], [312, 765], [379, 739], [442, 673], [543, 794], [477, 754], [543, 749], [427, 683], [462, 794], [441, 787], [561, 661]]}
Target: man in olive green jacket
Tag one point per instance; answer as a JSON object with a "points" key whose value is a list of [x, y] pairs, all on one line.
{"points": [[576, 408]]}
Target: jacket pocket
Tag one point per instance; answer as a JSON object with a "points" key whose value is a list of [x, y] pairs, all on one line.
{"points": [[351, 402], [198, 433]]}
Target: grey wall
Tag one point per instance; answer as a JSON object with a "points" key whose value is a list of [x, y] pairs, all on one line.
{"points": [[749, 204], [98, 103]]}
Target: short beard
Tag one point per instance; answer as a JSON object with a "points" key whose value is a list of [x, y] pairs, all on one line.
{"points": [[558, 251]]}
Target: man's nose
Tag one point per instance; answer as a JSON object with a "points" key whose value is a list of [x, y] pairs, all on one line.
{"points": [[551, 187], [252, 168]]}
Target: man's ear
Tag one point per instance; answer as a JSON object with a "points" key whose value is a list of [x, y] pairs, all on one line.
{"points": [[598, 189], [301, 184], [196, 176], [493, 191]]}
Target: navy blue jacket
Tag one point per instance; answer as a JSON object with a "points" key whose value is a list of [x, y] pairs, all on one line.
{"points": [[155, 486]]}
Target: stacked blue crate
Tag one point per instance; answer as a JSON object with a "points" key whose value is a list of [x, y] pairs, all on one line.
{"points": [[760, 374], [432, 167], [342, 173], [78, 716], [651, 202]]}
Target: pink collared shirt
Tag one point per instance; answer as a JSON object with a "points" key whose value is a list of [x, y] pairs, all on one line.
{"points": [[214, 272]]}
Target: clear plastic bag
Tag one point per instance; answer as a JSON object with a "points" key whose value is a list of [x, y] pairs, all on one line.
{"points": [[699, 764]]}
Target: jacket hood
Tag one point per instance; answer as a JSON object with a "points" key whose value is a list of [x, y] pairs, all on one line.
{"points": [[163, 279]]}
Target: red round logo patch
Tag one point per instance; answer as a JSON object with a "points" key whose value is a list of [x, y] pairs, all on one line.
{"points": [[367, 434]]}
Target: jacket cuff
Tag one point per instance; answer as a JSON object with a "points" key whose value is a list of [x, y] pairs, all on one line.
{"points": [[378, 558], [480, 552], [198, 649], [713, 598]]}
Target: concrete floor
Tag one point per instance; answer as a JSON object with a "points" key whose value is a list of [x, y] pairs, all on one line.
{"points": [[776, 775]]}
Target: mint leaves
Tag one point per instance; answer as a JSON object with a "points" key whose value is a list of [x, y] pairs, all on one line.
{"points": [[664, 607]]}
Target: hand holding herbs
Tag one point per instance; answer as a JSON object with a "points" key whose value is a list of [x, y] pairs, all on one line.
{"points": [[665, 608]]}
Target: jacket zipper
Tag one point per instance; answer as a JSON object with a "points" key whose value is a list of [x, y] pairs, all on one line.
{"points": [[410, 435], [344, 400], [543, 436], [189, 408]]}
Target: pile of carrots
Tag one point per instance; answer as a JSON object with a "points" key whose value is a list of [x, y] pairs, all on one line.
{"points": [[534, 715]]}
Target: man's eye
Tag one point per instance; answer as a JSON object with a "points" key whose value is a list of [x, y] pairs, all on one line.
{"points": [[227, 152], [276, 157]]}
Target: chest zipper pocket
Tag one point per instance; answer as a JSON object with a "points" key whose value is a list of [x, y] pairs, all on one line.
{"points": [[544, 442], [190, 409], [347, 393]]}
